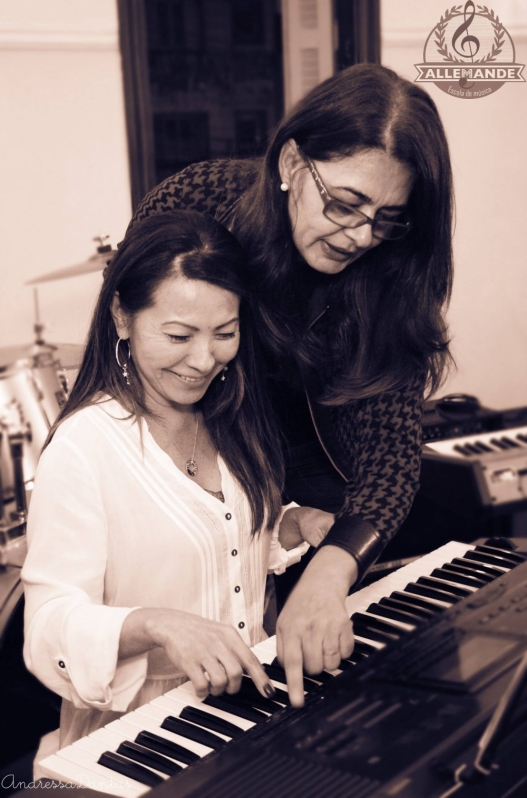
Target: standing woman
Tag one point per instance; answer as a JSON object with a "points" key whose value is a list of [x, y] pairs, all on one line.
{"points": [[347, 223]]}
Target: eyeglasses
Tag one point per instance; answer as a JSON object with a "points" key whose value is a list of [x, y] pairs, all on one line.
{"points": [[348, 216]]}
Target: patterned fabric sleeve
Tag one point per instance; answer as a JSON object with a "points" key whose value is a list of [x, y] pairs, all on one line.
{"points": [[210, 187], [382, 439]]}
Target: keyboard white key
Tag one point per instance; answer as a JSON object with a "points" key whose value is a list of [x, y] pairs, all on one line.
{"points": [[97, 775], [60, 768]]}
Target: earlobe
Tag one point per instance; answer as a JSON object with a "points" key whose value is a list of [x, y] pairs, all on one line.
{"points": [[120, 318]]}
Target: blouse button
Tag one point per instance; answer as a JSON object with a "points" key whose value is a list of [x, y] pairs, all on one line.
{"points": [[228, 516], [241, 625], [234, 552], [61, 663], [237, 589]]}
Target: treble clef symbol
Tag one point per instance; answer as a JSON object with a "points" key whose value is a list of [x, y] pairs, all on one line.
{"points": [[470, 12]]}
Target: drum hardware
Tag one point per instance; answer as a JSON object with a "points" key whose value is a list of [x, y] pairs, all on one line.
{"points": [[16, 446], [18, 431], [33, 389], [13, 525]]}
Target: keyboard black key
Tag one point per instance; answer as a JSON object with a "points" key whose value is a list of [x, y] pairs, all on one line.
{"points": [[477, 566], [499, 444], [191, 732], [406, 603], [378, 624], [246, 697], [394, 614], [515, 557], [249, 688], [472, 573], [432, 592], [454, 576], [439, 584], [489, 559], [323, 677], [277, 674], [364, 649], [146, 757], [472, 448], [229, 704], [370, 633], [120, 764], [510, 442], [462, 450], [482, 447], [316, 679], [211, 722], [420, 603], [163, 746]]}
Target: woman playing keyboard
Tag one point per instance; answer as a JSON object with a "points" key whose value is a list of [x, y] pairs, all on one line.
{"points": [[155, 514]]}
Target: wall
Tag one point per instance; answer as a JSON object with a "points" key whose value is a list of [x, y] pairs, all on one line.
{"points": [[488, 312], [64, 169]]}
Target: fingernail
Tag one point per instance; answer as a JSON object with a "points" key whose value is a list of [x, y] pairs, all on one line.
{"points": [[269, 690]]}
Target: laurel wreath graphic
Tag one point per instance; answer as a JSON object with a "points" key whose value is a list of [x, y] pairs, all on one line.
{"points": [[483, 11]]}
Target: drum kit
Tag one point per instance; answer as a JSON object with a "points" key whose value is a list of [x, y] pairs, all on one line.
{"points": [[34, 384]]}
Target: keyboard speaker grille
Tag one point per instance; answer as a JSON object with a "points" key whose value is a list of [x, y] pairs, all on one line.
{"points": [[281, 776]]}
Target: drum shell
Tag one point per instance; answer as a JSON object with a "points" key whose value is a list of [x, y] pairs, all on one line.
{"points": [[36, 394]]}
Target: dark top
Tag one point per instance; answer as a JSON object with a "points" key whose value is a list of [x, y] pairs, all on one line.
{"points": [[374, 443]]}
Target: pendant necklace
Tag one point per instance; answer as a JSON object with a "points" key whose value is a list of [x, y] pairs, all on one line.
{"points": [[191, 465]]}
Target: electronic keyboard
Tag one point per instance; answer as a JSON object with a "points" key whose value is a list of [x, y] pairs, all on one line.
{"points": [[435, 643], [492, 466]]}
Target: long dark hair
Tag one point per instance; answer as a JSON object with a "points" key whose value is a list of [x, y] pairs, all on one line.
{"points": [[385, 323], [235, 411]]}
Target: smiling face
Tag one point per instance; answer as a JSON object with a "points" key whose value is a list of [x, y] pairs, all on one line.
{"points": [[371, 180], [182, 341]]}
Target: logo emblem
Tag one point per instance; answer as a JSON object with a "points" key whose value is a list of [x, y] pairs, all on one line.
{"points": [[469, 53]]}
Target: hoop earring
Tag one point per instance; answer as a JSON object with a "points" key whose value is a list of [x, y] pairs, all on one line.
{"points": [[124, 367], [284, 186]]}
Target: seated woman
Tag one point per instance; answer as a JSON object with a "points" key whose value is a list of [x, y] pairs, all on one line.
{"points": [[154, 518]]}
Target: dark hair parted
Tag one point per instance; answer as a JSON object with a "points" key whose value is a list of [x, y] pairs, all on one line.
{"points": [[235, 411], [385, 322]]}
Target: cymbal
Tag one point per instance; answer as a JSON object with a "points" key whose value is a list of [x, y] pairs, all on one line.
{"points": [[96, 263]]}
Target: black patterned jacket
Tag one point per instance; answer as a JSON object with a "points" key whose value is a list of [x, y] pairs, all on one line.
{"points": [[374, 443]]}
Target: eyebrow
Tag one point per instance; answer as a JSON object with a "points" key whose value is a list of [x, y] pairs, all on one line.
{"points": [[367, 200], [196, 329]]}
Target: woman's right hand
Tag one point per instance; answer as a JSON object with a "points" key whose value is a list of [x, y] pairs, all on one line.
{"points": [[211, 654]]}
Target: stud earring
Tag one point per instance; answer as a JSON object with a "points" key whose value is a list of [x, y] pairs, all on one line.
{"points": [[124, 366], [284, 186]]}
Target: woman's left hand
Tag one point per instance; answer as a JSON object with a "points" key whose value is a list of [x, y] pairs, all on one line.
{"points": [[301, 524], [314, 631]]}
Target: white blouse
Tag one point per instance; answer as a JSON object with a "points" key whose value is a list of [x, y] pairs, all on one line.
{"points": [[114, 525]]}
